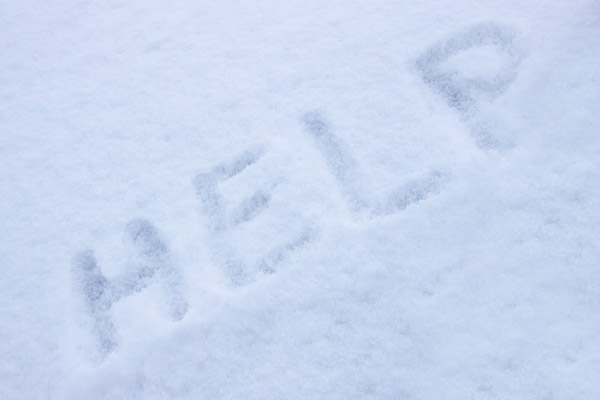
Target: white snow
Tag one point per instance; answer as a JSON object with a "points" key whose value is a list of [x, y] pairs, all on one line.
{"points": [[300, 199]]}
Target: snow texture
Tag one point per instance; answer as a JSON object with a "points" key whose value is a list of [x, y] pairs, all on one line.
{"points": [[300, 200]]}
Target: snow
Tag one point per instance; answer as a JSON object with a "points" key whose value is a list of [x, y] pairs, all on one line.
{"points": [[299, 200]]}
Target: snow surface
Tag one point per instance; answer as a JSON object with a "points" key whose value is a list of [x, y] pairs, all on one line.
{"points": [[300, 199]]}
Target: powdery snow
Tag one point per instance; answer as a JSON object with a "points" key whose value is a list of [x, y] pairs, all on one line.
{"points": [[300, 200]]}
